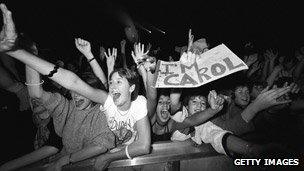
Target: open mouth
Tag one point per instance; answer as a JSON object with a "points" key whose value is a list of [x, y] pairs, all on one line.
{"points": [[115, 96], [164, 114]]}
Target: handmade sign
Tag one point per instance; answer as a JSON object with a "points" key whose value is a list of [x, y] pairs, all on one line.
{"points": [[196, 70]]}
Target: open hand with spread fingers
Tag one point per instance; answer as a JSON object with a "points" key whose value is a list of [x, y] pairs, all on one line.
{"points": [[215, 101], [139, 54], [111, 57], [268, 98]]}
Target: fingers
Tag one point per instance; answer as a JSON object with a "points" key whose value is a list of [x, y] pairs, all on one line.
{"points": [[265, 90], [190, 39], [3, 9], [8, 25], [114, 53], [123, 43], [81, 42], [76, 42], [105, 53], [6, 13], [294, 88], [133, 56], [279, 92], [283, 102]]}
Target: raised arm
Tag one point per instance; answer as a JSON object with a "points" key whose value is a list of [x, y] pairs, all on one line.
{"points": [[266, 99], [67, 79], [275, 73], [123, 53], [199, 117], [265, 69], [146, 70], [111, 58], [271, 55], [85, 48]]}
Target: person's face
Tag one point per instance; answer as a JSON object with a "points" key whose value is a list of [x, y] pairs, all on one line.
{"points": [[196, 104], [120, 90], [80, 101], [242, 97], [163, 108]]}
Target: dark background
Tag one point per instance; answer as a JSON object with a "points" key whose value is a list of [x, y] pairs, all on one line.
{"points": [[54, 24]]}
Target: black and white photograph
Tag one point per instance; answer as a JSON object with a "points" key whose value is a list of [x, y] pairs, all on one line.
{"points": [[151, 85]]}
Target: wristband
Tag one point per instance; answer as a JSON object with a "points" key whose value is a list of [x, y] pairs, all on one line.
{"points": [[29, 84], [127, 153], [53, 71], [91, 60]]}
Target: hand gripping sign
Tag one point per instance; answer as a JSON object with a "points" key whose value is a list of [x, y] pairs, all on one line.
{"points": [[195, 70]]}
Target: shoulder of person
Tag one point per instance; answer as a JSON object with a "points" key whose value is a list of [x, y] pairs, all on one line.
{"points": [[140, 100]]}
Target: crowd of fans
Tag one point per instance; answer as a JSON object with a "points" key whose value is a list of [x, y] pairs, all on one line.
{"points": [[107, 107]]}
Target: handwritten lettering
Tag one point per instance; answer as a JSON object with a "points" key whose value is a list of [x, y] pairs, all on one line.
{"points": [[209, 66]]}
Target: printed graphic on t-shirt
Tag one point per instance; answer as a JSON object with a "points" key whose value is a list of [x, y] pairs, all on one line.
{"points": [[121, 129]]}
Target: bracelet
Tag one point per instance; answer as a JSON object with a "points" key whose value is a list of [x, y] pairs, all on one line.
{"points": [[91, 60], [127, 153], [36, 84], [53, 71]]}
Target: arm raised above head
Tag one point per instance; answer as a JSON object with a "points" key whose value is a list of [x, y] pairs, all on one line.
{"points": [[85, 48], [67, 79]]}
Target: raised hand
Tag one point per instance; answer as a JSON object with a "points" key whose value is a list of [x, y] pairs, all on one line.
{"points": [[294, 88], [278, 68], [190, 40], [271, 55], [268, 98], [251, 59], [111, 57], [83, 46], [139, 54], [102, 51], [215, 101], [8, 35], [123, 46], [187, 58], [281, 59], [150, 64]]}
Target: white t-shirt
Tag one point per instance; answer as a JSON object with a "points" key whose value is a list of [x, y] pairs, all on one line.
{"points": [[122, 123], [180, 117]]}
